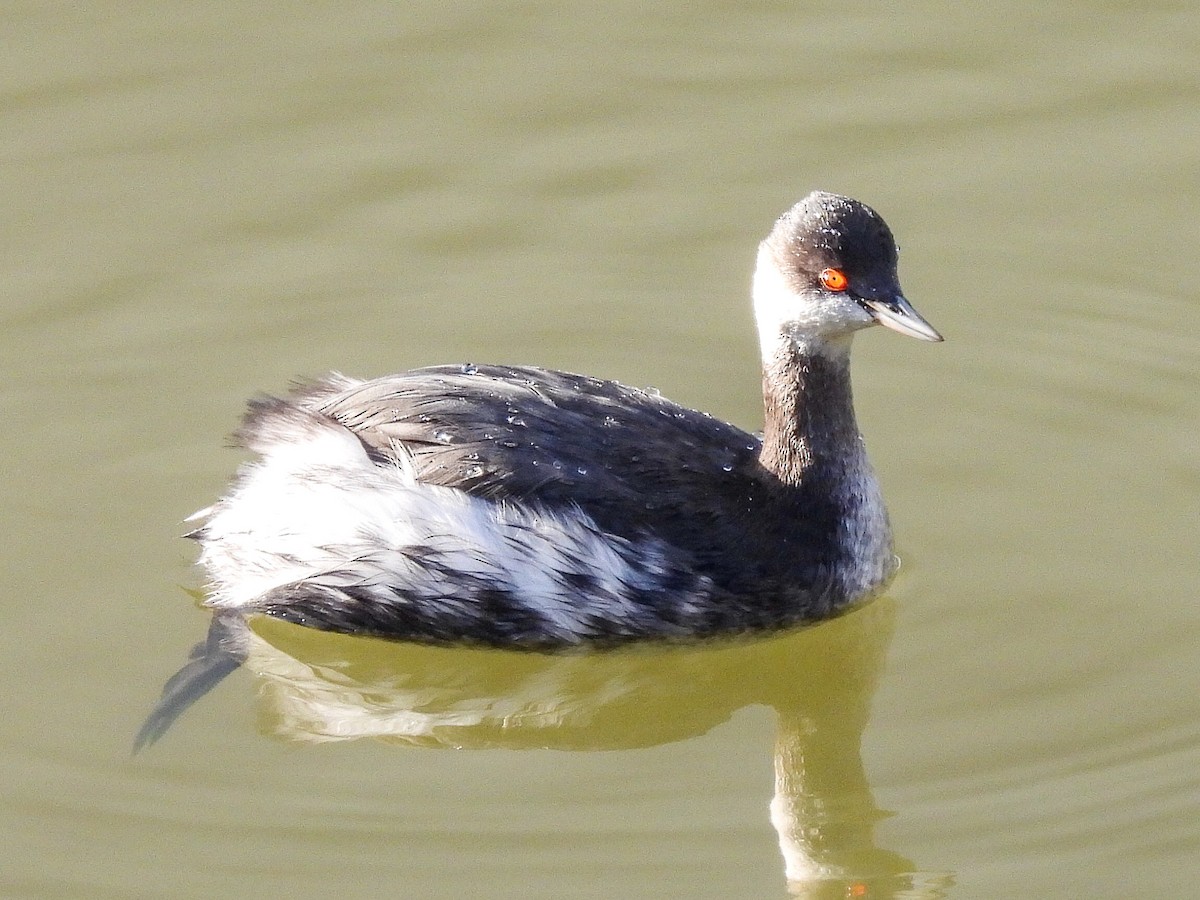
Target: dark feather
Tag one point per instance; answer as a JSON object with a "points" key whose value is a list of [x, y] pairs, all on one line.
{"points": [[636, 463]]}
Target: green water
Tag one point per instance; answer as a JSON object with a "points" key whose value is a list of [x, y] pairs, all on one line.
{"points": [[202, 202]]}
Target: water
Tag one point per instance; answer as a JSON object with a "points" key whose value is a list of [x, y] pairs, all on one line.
{"points": [[202, 203]]}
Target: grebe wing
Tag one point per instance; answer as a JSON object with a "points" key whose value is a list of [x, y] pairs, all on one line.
{"points": [[531, 434]]}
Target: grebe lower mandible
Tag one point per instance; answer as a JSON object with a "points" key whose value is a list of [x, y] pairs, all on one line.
{"points": [[521, 507]]}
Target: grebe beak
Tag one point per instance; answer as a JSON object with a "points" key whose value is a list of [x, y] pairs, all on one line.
{"points": [[899, 315]]}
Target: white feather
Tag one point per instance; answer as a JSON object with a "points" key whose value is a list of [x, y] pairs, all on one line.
{"points": [[315, 503]]}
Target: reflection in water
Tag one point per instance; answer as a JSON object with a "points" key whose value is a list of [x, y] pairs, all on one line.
{"points": [[326, 687]]}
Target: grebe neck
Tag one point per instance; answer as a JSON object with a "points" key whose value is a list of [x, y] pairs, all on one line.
{"points": [[810, 427], [812, 444]]}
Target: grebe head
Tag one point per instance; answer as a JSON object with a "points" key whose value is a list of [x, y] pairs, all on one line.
{"points": [[826, 270]]}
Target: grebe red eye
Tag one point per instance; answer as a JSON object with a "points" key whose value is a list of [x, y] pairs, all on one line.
{"points": [[834, 279]]}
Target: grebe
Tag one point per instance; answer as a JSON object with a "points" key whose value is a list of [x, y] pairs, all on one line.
{"points": [[520, 507]]}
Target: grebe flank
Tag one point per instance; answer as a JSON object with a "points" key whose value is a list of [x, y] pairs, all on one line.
{"points": [[520, 507]]}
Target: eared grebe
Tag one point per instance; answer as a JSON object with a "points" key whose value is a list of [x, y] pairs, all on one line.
{"points": [[521, 507]]}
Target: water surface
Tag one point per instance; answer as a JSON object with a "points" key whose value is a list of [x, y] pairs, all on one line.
{"points": [[204, 202]]}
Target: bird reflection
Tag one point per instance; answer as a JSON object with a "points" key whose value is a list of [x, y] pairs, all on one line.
{"points": [[326, 687]]}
